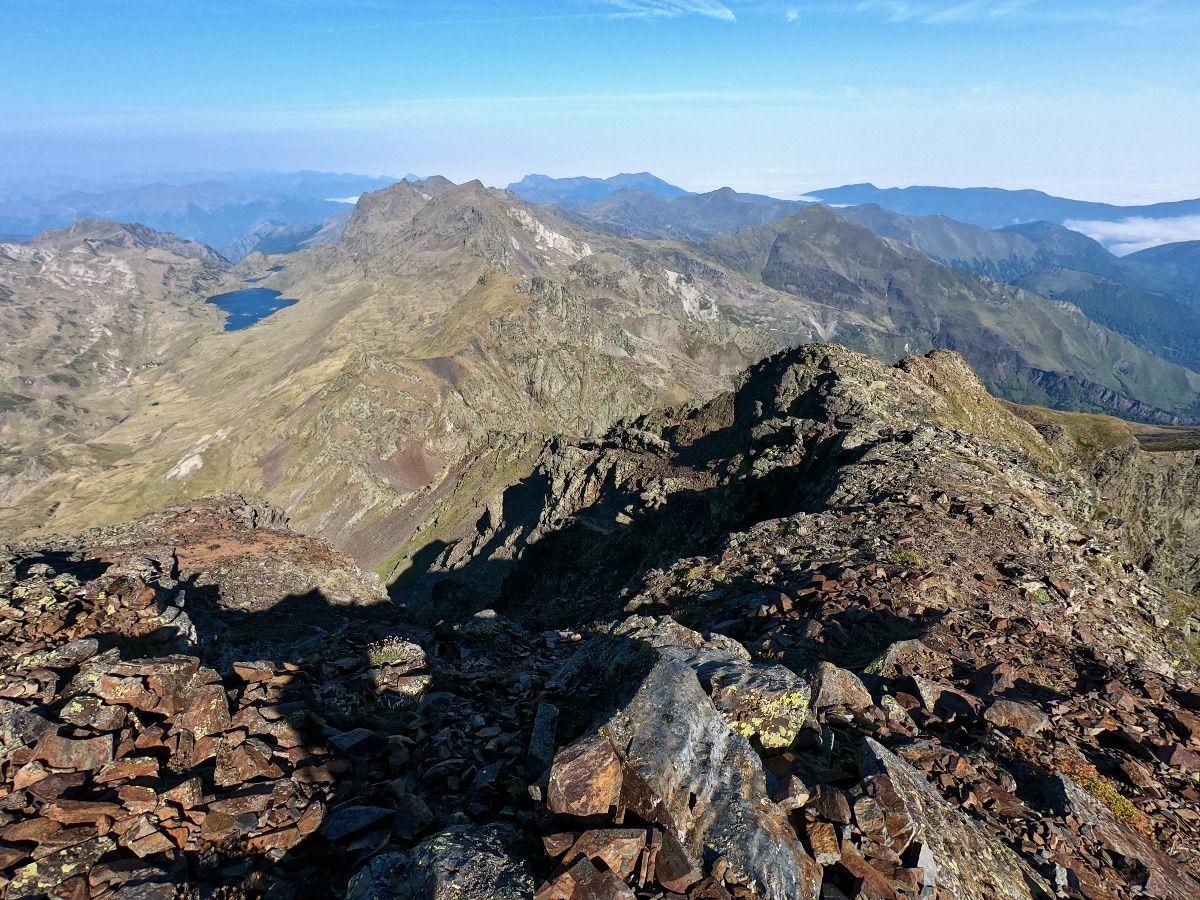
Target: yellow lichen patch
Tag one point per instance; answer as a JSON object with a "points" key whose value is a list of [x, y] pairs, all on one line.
{"points": [[774, 720]]}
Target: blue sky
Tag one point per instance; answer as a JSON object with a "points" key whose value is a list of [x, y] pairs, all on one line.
{"points": [[1088, 98]]}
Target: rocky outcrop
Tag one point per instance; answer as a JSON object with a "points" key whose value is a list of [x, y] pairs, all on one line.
{"points": [[849, 631], [243, 546], [185, 705], [670, 758], [939, 572]]}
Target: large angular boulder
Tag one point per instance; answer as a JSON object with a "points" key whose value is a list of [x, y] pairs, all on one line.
{"points": [[685, 768], [465, 863], [960, 859]]}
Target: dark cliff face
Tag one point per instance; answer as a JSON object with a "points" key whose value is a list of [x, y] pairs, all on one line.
{"points": [[1147, 479], [1155, 494], [849, 630]]}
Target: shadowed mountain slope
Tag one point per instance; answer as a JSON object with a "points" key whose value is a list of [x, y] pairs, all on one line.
{"points": [[1142, 298]]}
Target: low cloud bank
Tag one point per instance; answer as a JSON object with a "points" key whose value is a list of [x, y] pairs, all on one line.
{"points": [[1126, 236]]}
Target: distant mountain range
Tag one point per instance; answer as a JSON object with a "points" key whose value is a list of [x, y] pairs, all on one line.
{"points": [[576, 193], [644, 205], [218, 213], [310, 184], [690, 217], [996, 207], [1151, 297]]}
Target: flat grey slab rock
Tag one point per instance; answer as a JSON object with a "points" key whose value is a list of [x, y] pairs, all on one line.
{"points": [[465, 863]]}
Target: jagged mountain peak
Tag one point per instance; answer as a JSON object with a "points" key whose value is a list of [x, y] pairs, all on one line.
{"points": [[379, 214], [502, 228], [115, 235]]}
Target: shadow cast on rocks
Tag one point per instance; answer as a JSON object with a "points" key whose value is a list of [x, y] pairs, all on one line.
{"points": [[163, 737], [596, 557]]}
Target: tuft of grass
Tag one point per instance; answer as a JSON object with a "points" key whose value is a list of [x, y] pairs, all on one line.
{"points": [[1094, 783], [909, 558], [389, 651], [1120, 805]]}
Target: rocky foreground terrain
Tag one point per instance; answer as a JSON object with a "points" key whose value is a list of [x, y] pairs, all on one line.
{"points": [[850, 630]]}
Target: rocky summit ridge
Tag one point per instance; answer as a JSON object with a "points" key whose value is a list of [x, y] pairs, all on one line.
{"points": [[849, 630]]}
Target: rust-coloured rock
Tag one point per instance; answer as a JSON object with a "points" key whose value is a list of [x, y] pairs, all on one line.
{"points": [[585, 779], [128, 768], [75, 754], [617, 848]]}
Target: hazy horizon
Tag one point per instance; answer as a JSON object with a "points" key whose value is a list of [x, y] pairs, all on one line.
{"points": [[1092, 101], [116, 180]]}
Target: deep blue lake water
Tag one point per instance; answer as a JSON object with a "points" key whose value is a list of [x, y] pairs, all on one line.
{"points": [[247, 306]]}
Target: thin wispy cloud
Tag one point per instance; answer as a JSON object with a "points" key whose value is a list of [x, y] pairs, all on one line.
{"points": [[963, 12], [670, 9], [344, 114], [1126, 236]]}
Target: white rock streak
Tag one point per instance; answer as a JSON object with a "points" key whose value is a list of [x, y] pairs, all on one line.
{"points": [[193, 460], [546, 239], [695, 303]]}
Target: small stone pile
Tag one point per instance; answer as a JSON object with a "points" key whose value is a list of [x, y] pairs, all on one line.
{"points": [[130, 767], [114, 766]]}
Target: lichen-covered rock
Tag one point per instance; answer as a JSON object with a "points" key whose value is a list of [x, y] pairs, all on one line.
{"points": [[37, 878], [685, 768], [763, 702]]}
